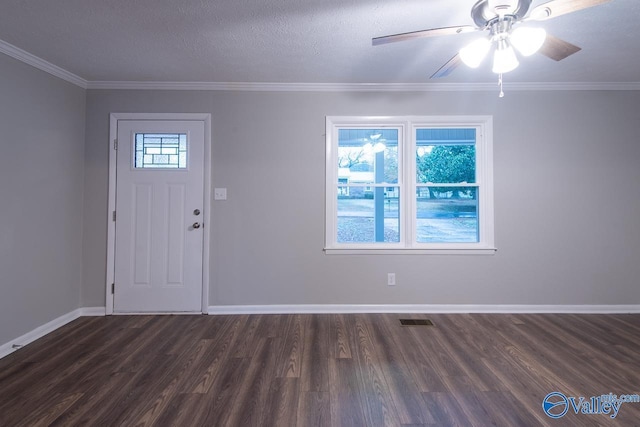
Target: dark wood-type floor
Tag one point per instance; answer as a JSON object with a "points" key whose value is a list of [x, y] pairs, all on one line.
{"points": [[321, 370]]}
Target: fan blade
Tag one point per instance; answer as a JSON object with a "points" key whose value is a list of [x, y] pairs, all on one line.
{"points": [[446, 31], [561, 7], [557, 49], [447, 68]]}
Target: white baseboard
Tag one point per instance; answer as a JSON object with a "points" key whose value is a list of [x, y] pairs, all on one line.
{"points": [[49, 327], [420, 308], [93, 311]]}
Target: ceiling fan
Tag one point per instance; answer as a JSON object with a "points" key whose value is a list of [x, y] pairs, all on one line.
{"points": [[503, 19]]}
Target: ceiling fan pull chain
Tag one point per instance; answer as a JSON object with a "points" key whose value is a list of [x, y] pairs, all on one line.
{"points": [[501, 95]]}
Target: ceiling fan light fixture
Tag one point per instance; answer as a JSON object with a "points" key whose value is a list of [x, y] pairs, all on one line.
{"points": [[473, 53], [502, 20], [504, 58], [528, 40]]}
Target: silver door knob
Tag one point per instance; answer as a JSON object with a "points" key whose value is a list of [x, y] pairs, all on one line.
{"points": [[196, 225]]}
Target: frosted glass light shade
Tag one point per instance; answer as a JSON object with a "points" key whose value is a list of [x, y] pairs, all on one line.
{"points": [[504, 59], [528, 40], [473, 53]]}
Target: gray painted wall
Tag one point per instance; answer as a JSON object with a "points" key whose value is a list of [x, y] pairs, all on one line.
{"points": [[41, 188], [567, 199]]}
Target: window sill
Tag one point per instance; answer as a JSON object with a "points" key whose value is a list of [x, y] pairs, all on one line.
{"points": [[406, 251]]}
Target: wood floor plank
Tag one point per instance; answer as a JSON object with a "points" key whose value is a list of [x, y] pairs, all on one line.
{"points": [[321, 370], [339, 338], [93, 405], [389, 342], [345, 397], [136, 352], [216, 355], [15, 372], [380, 409], [56, 406], [449, 372], [568, 358], [18, 396], [271, 326], [474, 409], [464, 356], [420, 364], [140, 391], [161, 394], [184, 332], [313, 410], [182, 410], [74, 333], [314, 371], [255, 385], [223, 394], [497, 408], [282, 404], [444, 409], [247, 343], [290, 357]]}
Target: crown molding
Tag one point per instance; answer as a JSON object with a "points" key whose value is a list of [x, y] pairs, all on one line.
{"points": [[34, 61], [28, 58], [358, 87]]}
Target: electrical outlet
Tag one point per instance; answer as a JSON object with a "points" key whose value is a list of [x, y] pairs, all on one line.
{"points": [[391, 279]]}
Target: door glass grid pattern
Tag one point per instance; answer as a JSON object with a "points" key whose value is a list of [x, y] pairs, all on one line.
{"points": [[161, 151]]}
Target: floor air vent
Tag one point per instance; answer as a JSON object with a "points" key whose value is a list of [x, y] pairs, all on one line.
{"points": [[416, 322]]}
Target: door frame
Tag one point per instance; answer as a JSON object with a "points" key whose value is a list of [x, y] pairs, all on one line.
{"points": [[206, 214]]}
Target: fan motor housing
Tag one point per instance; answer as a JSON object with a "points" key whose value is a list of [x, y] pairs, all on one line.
{"points": [[485, 10]]}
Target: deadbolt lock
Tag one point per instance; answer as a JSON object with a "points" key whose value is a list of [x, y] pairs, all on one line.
{"points": [[196, 212]]}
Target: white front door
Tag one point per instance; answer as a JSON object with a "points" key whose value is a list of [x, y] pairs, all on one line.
{"points": [[159, 212]]}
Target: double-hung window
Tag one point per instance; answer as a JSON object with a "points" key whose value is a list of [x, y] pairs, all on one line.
{"points": [[409, 184]]}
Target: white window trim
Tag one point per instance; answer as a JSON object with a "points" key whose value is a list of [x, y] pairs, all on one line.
{"points": [[407, 126]]}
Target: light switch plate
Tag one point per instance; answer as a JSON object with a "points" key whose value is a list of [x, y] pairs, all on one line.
{"points": [[219, 194]]}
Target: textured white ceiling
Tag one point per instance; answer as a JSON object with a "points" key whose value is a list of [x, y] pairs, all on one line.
{"points": [[299, 41]]}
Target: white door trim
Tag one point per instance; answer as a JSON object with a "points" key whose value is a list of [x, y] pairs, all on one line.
{"points": [[111, 225]]}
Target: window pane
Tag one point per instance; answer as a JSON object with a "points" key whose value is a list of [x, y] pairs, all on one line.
{"points": [[367, 156], [447, 215], [167, 151], [445, 156], [368, 214], [171, 150]]}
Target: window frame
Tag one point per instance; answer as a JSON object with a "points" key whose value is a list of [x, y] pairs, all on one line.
{"points": [[407, 127]]}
